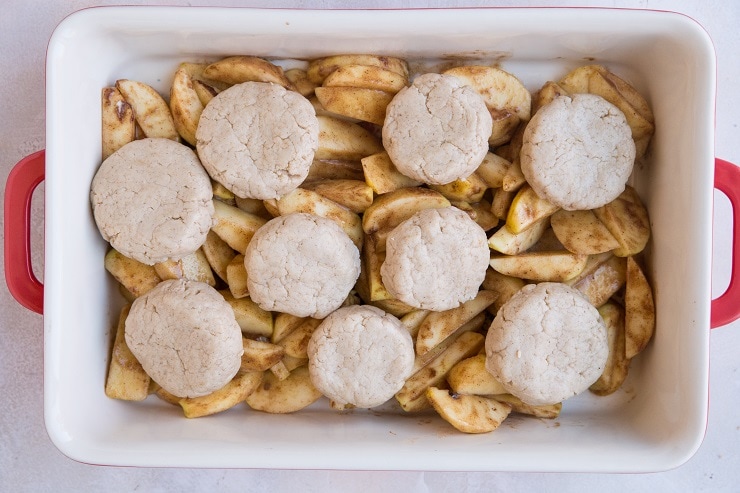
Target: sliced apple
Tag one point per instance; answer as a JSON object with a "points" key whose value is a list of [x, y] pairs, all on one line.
{"points": [[367, 105], [577, 80], [582, 232], [437, 326], [366, 76], [480, 212], [622, 95], [546, 411], [302, 200], [185, 105], [391, 209], [382, 176], [355, 195], [119, 124], [505, 123], [412, 396], [284, 396], [412, 321], [320, 68], [299, 79], [470, 377], [151, 110], [194, 267], [373, 257], [252, 319], [603, 281], [468, 413], [137, 277], [514, 178], [335, 169], [504, 241], [340, 139], [627, 220], [639, 322], [470, 189], [505, 286], [260, 355], [492, 170], [238, 69], [547, 94], [235, 226], [557, 266], [501, 202], [617, 364], [296, 343], [526, 209], [126, 379], [231, 394], [500, 89]]}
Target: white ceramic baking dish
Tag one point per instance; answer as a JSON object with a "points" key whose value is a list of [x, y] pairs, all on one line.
{"points": [[657, 421]]}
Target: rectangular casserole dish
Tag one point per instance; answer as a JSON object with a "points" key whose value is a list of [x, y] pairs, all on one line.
{"points": [[656, 422]]}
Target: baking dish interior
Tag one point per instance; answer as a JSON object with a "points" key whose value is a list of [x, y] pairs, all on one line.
{"points": [[655, 422]]}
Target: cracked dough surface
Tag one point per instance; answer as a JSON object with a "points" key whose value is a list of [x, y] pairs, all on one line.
{"points": [[301, 264], [436, 259], [152, 200], [546, 344], [578, 152], [436, 131], [258, 139], [186, 337], [360, 355]]}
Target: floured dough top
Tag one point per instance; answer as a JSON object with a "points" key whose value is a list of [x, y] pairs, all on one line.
{"points": [[436, 259], [258, 139], [301, 264], [360, 355], [436, 131], [578, 152], [186, 337], [547, 343], [152, 200]]}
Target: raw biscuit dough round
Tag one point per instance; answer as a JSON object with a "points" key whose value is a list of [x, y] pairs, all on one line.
{"points": [[185, 336], [436, 130], [301, 264], [547, 343], [152, 200], [436, 259], [360, 355], [258, 139], [578, 152]]}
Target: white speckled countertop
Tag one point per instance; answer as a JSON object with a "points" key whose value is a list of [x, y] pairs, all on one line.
{"points": [[30, 462]]}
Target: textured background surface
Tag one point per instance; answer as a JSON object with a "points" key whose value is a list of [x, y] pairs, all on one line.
{"points": [[30, 462]]}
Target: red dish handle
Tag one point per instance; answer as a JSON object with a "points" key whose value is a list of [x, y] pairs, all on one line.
{"points": [[726, 308], [22, 181]]}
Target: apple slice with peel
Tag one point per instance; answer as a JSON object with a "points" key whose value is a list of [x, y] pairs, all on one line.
{"points": [[368, 77], [582, 232], [505, 241], [391, 209], [238, 69], [526, 209], [468, 413], [627, 220], [603, 281], [470, 377], [151, 110], [368, 105], [554, 266], [617, 364], [639, 323], [437, 326]]}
